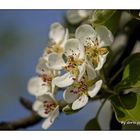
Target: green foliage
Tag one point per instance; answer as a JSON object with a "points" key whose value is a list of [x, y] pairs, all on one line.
{"points": [[135, 14], [101, 16], [131, 74], [130, 126], [68, 110], [93, 125], [109, 18], [113, 22], [126, 107]]}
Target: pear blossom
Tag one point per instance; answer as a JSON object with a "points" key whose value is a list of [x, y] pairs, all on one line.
{"points": [[95, 42], [58, 36], [42, 84], [47, 107], [74, 66], [36, 86], [78, 93], [76, 16]]}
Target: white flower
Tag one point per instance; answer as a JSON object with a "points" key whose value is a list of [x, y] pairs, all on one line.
{"points": [[58, 37], [43, 69], [95, 42], [76, 16], [37, 87], [78, 93], [47, 107], [75, 64]]}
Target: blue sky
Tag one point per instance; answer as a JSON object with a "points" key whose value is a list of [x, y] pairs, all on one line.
{"points": [[29, 30]]}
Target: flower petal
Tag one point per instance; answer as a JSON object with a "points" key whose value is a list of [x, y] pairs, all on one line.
{"points": [[85, 31], [69, 96], [73, 16], [82, 69], [57, 32], [90, 71], [76, 16], [72, 47], [66, 36], [55, 61], [80, 102], [92, 91], [47, 97], [63, 81], [39, 108], [41, 67], [51, 118], [37, 87], [84, 13], [102, 60], [105, 36]]}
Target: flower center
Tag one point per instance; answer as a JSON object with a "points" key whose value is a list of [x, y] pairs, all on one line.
{"points": [[72, 65], [81, 87], [54, 48], [93, 51], [58, 49], [47, 78], [49, 106]]}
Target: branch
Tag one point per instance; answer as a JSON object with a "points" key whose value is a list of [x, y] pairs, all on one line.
{"points": [[23, 122]]}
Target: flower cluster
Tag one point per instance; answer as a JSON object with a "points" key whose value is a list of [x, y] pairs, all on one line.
{"points": [[72, 64]]}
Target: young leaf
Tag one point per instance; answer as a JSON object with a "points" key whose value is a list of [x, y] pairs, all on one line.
{"points": [[101, 16], [126, 107], [131, 74], [93, 125]]}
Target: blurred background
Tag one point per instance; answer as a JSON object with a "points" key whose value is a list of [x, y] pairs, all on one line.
{"points": [[23, 37]]}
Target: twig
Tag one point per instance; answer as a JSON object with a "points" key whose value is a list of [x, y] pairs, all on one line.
{"points": [[23, 122]]}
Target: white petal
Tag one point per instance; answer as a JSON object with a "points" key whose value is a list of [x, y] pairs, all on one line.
{"points": [[102, 60], [85, 31], [69, 96], [41, 67], [84, 13], [51, 118], [47, 97], [105, 35], [72, 47], [82, 69], [73, 16], [92, 91], [66, 36], [80, 102], [90, 71], [55, 61], [57, 32], [76, 16], [37, 87], [39, 108], [64, 80]]}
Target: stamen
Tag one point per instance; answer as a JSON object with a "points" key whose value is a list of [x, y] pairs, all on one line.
{"points": [[93, 50], [49, 106]]}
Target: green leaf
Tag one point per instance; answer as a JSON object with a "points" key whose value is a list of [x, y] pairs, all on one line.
{"points": [[130, 126], [101, 16], [131, 74], [93, 125], [113, 22], [135, 14], [68, 110], [126, 107]]}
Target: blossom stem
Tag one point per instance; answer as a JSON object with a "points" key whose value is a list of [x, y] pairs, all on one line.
{"points": [[115, 75]]}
